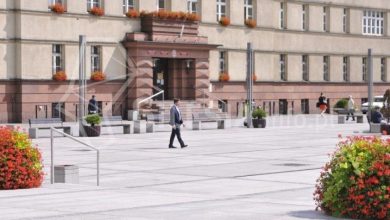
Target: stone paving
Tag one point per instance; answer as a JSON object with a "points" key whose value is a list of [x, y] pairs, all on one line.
{"points": [[236, 173]]}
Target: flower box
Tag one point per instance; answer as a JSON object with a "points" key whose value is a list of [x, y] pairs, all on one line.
{"points": [[58, 8], [98, 76], [97, 11], [224, 21], [60, 76], [250, 23], [132, 13], [224, 77]]}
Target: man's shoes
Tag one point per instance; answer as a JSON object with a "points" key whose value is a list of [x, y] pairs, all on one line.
{"points": [[184, 146], [172, 147]]}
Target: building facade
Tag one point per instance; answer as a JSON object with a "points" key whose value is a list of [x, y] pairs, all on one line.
{"points": [[301, 48]]}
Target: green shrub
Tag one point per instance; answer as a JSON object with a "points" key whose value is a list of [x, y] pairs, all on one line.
{"points": [[342, 103], [259, 113], [93, 119], [356, 182]]}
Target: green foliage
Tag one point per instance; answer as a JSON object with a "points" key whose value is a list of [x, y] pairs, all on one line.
{"points": [[93, 119], [342, 103], [259, 113]]}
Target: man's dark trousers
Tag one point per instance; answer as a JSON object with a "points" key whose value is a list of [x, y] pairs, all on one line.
{"points": [[176, 132]]}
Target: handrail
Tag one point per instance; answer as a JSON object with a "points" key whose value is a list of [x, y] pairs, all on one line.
{"points": [[211, 95], [150, 97], [52, 130]]}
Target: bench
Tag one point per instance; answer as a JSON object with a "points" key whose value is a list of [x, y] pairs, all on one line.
{"points": [[343, 114], [200, 117], [375, 128], [115, 121], [46, 123], [158, 118]]}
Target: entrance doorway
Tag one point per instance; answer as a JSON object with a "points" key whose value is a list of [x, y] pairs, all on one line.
{"points": [[160, 76]]}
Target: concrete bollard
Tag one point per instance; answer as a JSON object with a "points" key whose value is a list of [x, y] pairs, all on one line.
{"points": [[341, 119], [33, 133], [149, 127], [66, 174], [132, 115], [139, 127], [196, 125]]}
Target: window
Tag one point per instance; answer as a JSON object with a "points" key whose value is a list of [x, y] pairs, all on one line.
{"points": [[325, 19], [93, 3], [326, 68], [364, 69], [282, 15], [305, 106], [305, 70], [222, 61], [221, 9], [283, 64], [57, 58], [346, 69], [383, 69], [248, 9], [58, 110], [192, 6], [373, 23], [95, 58], [53, 2], [304, 17], [346, 20], [160, 5], [128, 4]]}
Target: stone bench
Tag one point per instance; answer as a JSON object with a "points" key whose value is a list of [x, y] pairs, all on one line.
{"points": [[342, 118], [375, 128], [116, 121], [204, 117], [35, 124]]}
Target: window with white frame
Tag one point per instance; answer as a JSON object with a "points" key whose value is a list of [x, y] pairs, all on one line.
{"points": [[282, 15], [383, 69], [53, 2], [325, 19], [222, 61], [96, 58], [373, 23], [248, 9], [282, 66], [93, 3], [161, 5], [345, 20], [326, 68], [305, 68], [221, 9], [192, 6], [304, 17], [364, 69], [127, 5], [57, 58], [346, 69]]}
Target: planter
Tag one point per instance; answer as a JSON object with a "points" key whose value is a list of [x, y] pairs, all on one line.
{"points": [[92, 131], [385, 129], [151, 25], [259, 122]]}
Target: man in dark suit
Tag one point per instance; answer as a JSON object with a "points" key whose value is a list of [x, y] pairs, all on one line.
{"points": [[176, 121], [92, 105]]}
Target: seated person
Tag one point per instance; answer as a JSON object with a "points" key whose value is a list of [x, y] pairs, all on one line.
{"points": [[376, 116]]}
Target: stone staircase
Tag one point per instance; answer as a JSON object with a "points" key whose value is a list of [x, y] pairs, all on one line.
{"points": [[187, 107]]}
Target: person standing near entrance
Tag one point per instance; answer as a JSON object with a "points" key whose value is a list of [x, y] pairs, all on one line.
{"points": [[351, 108], [322, 104], [92, 106], [176, 122]]}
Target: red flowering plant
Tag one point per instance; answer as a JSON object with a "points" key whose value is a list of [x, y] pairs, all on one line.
{"points": [[251, 23], [132, 13], [97, 11], [224, 21], [98, 76], [20, 161], [356, 181], [57, 8], [60, 76], [171, 15], [224, 77]]}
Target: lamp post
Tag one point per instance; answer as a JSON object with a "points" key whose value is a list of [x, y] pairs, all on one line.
{"points": [[82, 83]]}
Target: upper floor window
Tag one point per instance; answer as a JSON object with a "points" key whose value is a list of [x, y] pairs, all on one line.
{"points": [[345, 20], [192, 6], [221, 9], [346, 69], [222, 61], [127, 5], [57, 58], [282, 15], [93, 3], [96, 58], [326, 68], [304, 17], [373, 23], [364, 69], [161, 5], [283, 65], [53, 2], [305, 68], [383, 69], [248, 9], [325, 19]]}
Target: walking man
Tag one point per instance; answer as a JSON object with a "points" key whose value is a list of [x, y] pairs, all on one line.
{"points": [[351, 108], [176, 121], [92, 106]]}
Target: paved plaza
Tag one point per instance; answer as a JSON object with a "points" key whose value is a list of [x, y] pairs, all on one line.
{"points": [[235, 173]]}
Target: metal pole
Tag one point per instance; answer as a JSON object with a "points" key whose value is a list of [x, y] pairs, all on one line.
{"points": [[249, 82], [51, 157], [204, 99], [98, 168], [82, 84], [370, 80]]}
